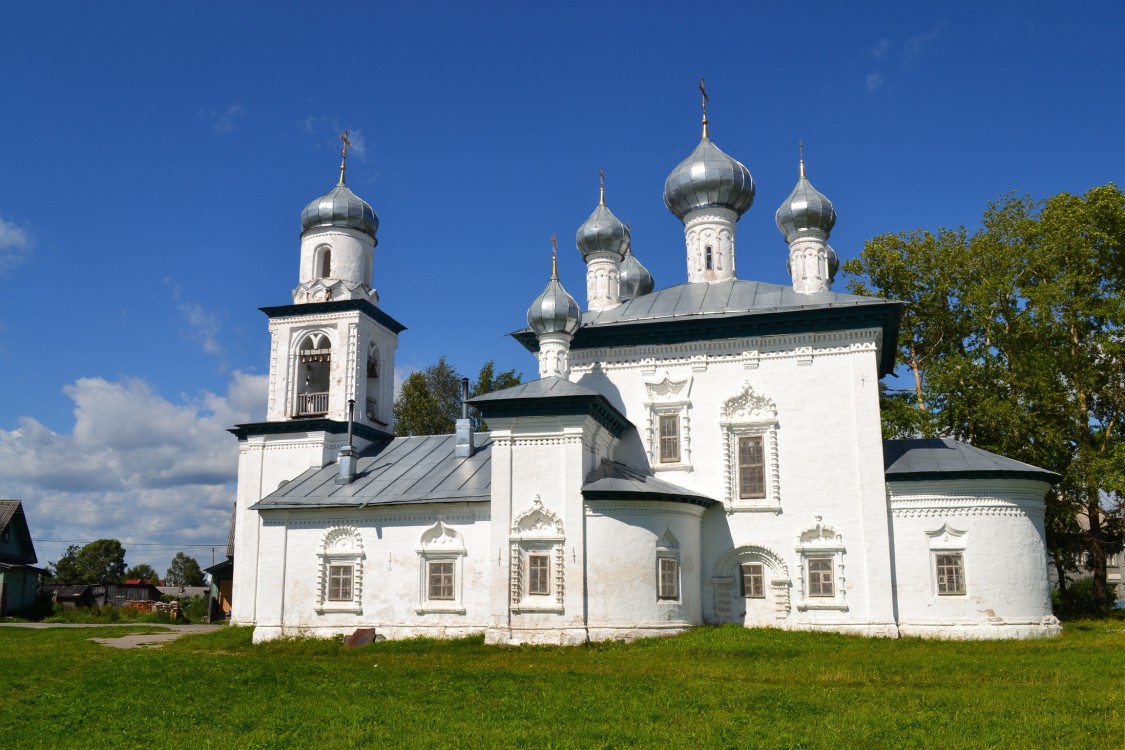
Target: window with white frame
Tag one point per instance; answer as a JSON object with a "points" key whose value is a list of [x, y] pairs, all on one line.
{"points": [[667, 567], [341, 571], [821, 583], [537, 560], [947, 555], [749, 424], [669, 433], [753, 580], [950, 570], [441, 556]]}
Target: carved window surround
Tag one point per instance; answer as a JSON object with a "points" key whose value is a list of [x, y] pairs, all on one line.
{"points": [[342, 546], [440, 543], [750, 414], [537, 531], [821, 542], [669, 397]]}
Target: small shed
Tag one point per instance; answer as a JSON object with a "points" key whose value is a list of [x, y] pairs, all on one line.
{"points": [[19, 578]]}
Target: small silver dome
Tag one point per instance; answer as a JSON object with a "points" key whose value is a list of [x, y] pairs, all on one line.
{"points": [[805, 210], [340, 207], [708, 178], [554, 311], [602, 232], [636, 281]]}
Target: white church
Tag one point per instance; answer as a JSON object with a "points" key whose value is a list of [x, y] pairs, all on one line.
{"points": [[709, 452]]}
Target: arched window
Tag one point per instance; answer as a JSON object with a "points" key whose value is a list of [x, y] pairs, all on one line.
{"points": [[314, 365], [325, 263], [372, 392], [708, 261]]}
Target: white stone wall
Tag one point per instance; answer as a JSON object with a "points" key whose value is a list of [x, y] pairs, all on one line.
{"points": [[351, 260], [824, 459], [996, 526], [390, 574]]}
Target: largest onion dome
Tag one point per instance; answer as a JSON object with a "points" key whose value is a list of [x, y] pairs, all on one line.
{"points": [[602, 232], [708, 178], [805, 210], [554, 311], [635, 279]]}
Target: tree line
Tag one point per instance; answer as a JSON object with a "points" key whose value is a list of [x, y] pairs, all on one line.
{"points": [[103, 561], [1013, 340], [430, 400]]}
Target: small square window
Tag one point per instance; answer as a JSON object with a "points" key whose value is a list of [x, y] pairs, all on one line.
{"points": [[539, 575], [669, 578], [753, 581], [441, 580], [950, 574], [820, 577], [340, 583]]}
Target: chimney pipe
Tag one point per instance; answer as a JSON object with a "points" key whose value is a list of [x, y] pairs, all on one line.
{"points": [[464, 440], [347, 453]]}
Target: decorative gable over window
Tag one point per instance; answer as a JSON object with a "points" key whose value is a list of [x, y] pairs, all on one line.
{"points": [[668, 433], [341, 571], [538, 563], [441, 554]]}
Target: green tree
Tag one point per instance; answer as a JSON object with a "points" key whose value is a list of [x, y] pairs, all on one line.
{"points": [[430, 401], [143, 572], [184, 571], [1013, 339], [101, 561]]}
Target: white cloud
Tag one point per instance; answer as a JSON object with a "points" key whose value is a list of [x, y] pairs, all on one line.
{"points": [[917, 46], [874, 81], [15, 245], [327, 130], [135, 466], [880, 49], [225, 119]]}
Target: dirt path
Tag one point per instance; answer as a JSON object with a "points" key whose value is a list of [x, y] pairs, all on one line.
{"points": [[132, 640]]}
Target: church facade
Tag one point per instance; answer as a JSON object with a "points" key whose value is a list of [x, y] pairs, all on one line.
{"points": [[708, 452]]}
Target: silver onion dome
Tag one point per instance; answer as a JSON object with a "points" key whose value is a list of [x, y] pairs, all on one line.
{"points": [[554, 311], [340, 207], [636, 281], [602, 232], [805, 210], [708, 178]]}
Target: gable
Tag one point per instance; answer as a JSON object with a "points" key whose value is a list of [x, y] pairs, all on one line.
{"points": [[16, 546]]}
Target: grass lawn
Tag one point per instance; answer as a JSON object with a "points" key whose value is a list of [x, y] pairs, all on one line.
{"points": [[714, 687]]}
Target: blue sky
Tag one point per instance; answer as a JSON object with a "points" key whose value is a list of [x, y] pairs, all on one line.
{"points": [[155, 157]]}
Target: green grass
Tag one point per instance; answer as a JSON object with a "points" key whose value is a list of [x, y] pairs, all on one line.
{"points": [[714, 687]]}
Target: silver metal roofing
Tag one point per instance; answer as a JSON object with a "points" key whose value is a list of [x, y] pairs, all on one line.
{"points": [[929, 458], [549, 387], [612, 480], [401, 471], [635, 279], [805, 210], [721, 299], [340, 207], [708, 178], [602, 232], [554, 311]]}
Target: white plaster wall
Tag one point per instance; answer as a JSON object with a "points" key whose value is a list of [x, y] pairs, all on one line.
{"points": [[392, 572], [352, 253], [1005, 565], [829, 451], [622, 579]]}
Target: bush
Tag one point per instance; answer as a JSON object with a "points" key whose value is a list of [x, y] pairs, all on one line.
{"points": [[1078, 601]]}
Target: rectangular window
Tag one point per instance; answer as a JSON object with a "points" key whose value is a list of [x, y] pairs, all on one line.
{"points": [[339, 583], [753, 581], [669, 438], [669, 578], [820, 576], [950, 574], [751, 467], [1113, 560], [539, 575], [441, 580]]}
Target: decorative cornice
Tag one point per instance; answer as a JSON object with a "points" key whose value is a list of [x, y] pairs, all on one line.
{"points": [[296, 426], [336, 306]]}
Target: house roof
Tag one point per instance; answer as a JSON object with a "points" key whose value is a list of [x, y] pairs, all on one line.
{"points": [[942, 458], [614, 481], [19, 549], [394, 472], [730, 309], [552, 396], [8, 509]]}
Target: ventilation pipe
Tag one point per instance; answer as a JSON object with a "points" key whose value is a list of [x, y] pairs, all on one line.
{"points": [[347, 453], [464, 424]]}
